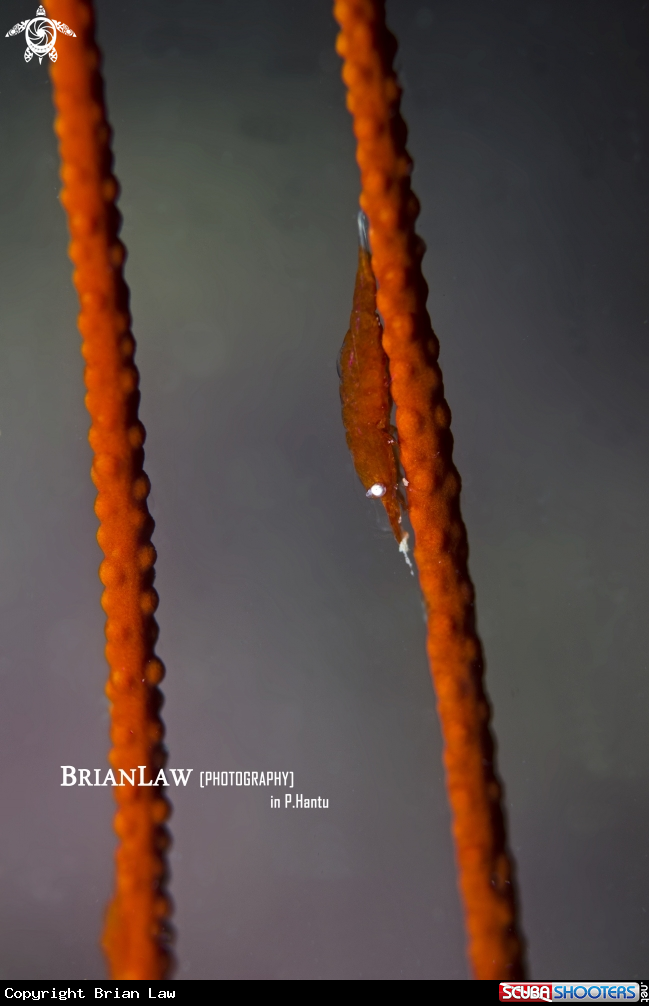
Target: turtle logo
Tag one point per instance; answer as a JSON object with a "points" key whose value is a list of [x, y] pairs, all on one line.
{"points": [[40, 35]]}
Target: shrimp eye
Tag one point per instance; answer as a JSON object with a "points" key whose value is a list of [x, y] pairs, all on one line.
{"points": [[376, 491]]}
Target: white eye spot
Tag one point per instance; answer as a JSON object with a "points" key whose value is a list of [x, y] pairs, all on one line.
{"points": [[376, 491]]}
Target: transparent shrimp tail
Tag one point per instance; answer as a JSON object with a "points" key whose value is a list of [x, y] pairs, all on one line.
{"points": [[403, 548]]}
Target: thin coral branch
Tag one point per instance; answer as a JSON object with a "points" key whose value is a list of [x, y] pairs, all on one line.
{"points": [[136, 933], [425, 449]]}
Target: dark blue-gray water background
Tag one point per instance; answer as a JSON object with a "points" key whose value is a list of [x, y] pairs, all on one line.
{"points": [[290, 626]]}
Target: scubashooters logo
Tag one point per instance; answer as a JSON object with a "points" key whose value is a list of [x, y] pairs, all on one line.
{"points": [[569, 991], [40, 35]]}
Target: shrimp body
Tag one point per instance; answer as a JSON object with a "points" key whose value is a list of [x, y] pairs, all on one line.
{"points": [[365, 394]]}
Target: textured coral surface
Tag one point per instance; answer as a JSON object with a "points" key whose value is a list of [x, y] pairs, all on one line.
{"points": [[425, 446], [135, 935]]}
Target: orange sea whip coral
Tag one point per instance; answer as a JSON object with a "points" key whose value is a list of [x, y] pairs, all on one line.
{"points": [[365, 394], [136, 934], [425, 447]]}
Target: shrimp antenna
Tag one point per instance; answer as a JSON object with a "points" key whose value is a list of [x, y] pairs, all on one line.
{"points": [[363, 231]]}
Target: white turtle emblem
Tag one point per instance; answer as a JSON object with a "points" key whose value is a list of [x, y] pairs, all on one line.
{"points": [[40, 35]]}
